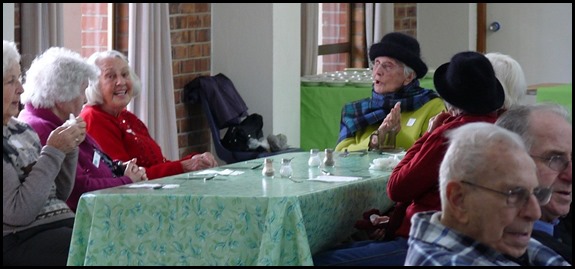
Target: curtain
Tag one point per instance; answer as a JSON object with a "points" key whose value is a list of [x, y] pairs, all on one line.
{"points": [[41, 28], [149, 52], [379, 20], [309, 42]]}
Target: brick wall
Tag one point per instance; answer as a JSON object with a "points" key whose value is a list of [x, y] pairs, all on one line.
{"points": [[335, 30], [405, 18], [190, 27], [94, 28]]}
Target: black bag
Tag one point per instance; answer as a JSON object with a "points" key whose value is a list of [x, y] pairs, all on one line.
{"points": [[237, 136]]}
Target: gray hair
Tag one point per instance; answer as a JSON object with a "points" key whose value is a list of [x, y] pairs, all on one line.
{"points": [[518, 120], [469, 155], [57, 75], [407, 70], [93, 92], [11, 56], [509, 72]]}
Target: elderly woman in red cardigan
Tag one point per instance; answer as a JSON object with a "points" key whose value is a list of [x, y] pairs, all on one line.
{"points": [[120, 133]]}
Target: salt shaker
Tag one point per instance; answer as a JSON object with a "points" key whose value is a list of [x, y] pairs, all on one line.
{"points": [[286, 170], [314, 159], [268, 169], [328, 159]]}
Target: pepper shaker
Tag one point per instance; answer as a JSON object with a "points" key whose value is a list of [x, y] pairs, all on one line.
{"points": [[328, 159], [268, 170]]}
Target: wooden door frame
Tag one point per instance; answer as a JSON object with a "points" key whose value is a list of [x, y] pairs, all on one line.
{"points": [[481, 27]]}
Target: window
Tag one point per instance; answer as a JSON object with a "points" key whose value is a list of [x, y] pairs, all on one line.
{"points": [[92, 22], [334, 37]]}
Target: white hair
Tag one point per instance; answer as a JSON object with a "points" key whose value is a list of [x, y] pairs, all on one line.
{"points": [[11, 56], [468, 155], [93, 92], [518, 120], [57, 75], [509, 72]]}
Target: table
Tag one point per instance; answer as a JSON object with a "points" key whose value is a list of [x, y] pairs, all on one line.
{"points": [[321, 112], [245, 219]]}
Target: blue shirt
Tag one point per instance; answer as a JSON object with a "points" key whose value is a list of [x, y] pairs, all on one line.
{"points": [[546, 227], [432, 243]]}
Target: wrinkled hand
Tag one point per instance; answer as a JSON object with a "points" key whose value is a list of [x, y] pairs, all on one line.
{"points": [[437, 121], [392, 121], [68, 136], [134, 172], [199, 161]]}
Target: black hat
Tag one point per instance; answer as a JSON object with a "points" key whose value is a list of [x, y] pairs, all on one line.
{"points": [[468, 82], [401, 47]]}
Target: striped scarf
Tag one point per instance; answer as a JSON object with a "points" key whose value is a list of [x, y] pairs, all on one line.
{"points": [[362, 113]]}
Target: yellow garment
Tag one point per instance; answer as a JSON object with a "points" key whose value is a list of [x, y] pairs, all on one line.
{"points": [[417, 120]]}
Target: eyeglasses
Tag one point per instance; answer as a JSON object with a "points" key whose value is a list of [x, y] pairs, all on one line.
{"points": [[555, 162], [519, 195], [387, 66]]}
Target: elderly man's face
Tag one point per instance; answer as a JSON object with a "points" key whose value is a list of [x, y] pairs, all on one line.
{"points": [[552, 136], [491, 220]]}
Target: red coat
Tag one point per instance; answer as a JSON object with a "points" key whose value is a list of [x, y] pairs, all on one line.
{"points": [[125, 137], [415, 179]]}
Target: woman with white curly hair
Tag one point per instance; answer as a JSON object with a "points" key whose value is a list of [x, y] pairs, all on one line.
{"points": [[55, 91]]}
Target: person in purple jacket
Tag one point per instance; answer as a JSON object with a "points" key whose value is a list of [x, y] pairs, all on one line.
{"points": [[54, 93]]}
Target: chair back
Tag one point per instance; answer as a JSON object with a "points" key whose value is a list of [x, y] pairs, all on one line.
{"points": [[223, 106]]}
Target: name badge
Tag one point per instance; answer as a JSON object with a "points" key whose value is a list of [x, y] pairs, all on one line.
{"points": [[96, 160], [410, 122]]}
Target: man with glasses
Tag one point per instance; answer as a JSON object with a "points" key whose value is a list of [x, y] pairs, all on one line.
{"points": [[546, 130], [490, 199]]}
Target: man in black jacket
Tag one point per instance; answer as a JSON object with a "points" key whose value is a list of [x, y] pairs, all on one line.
{"points": [[546, 130]]}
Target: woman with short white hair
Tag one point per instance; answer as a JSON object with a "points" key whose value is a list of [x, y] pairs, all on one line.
{"points": [[55, 90], [37, 180], [120, 132]]}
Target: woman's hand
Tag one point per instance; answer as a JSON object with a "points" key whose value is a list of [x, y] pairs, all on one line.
{"points": [[134, 172], [392, 121], [437, 120], [68, 136], [199, 161]]}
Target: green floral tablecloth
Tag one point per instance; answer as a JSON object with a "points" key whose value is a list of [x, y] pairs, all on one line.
{"points": [[244, 219]]}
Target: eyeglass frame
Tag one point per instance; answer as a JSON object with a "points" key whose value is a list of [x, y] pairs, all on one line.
{"points": [[519, 193], [553, 159], [387, 66]]}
